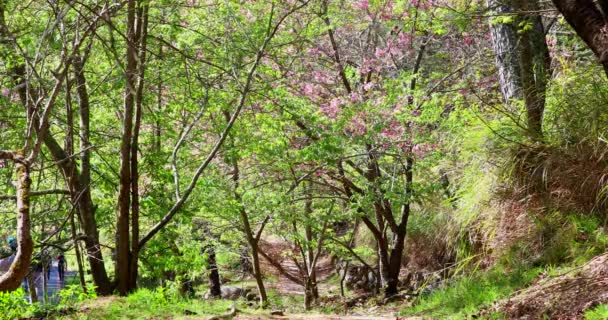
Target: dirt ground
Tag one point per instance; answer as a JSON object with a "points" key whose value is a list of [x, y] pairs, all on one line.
{"points": [[324, 317], [562, 297]]}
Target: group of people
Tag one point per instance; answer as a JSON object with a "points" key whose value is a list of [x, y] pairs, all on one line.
{"points": [[44, 262]]}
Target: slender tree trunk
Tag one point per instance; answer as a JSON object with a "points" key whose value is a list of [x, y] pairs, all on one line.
{"points": [[159, 104], [398, 247], [31, 286], [83, 283], [343, 278], [257, 274], [215, 288], [80, 184], [310, 253], [142, 33], [252, 239], [124, 196], [69, 148], [45, 290]]}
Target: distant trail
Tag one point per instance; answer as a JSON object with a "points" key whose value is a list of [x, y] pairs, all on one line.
{"points": [[54, 284], [325, 317]]}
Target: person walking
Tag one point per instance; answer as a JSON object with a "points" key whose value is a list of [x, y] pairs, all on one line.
{"points": [[61, 266]]}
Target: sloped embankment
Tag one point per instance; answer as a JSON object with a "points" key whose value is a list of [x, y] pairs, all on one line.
{"points": [[562, 297]]}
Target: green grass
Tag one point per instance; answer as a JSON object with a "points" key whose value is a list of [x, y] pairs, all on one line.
{"points": [[151, 304], [598, 313], [466, 295]]}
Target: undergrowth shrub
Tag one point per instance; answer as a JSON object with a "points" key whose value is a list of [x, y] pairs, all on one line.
{"points": [[467, 294], [544, 203], [73, 294], [598, 313], [14, 306]]}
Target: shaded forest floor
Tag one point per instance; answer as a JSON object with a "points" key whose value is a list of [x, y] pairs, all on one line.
{"points": [[564, 293], [573, 293], [121, 308]]}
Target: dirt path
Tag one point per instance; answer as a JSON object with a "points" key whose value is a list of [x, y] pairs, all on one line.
{"points": [[324, 317]]}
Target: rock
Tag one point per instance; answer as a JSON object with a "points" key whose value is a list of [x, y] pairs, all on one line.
{"points": [[277, 313], [189, 313], [360, 278], [234, 293]]}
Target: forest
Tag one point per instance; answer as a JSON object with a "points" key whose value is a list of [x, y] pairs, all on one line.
{"points": [[303, 159]]}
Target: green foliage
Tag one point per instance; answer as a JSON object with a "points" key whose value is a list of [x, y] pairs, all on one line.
{"points": [[598, 313], [571, 238], [149, 304], [464, 296], [13, 305], [73, 295]]}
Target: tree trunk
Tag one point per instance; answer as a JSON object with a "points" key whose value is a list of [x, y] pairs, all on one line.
{"points": [[308, 294], [83, 283], [31, 287], [19, 268], [142, 34], [215, 288], [252, 239], [522, 59], [45, 290], [383, 260], [123, 242], [392, 285], [257, 274], [310, 254], [504, 40], [80, 184], [589, 23]]}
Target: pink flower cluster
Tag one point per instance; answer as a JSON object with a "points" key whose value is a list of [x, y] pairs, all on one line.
{"points": [[332, 109], [393, 131], [361, 4], [357, 125]]}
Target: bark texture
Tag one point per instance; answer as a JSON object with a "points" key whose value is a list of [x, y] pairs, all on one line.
{"points": [[504, 41], [20, 266], [522, 57], [590, 23]]}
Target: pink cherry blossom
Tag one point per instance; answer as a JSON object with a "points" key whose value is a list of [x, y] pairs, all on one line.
{"points": [[361, 4], [333, 108], [393, 131], [357, 125]]}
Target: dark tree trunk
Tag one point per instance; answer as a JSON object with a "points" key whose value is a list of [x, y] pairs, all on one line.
{"points": [[589, 23], [69, 148], [80, 184], [215, 286], [123, 242], [83, 283], [142, 33]]}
